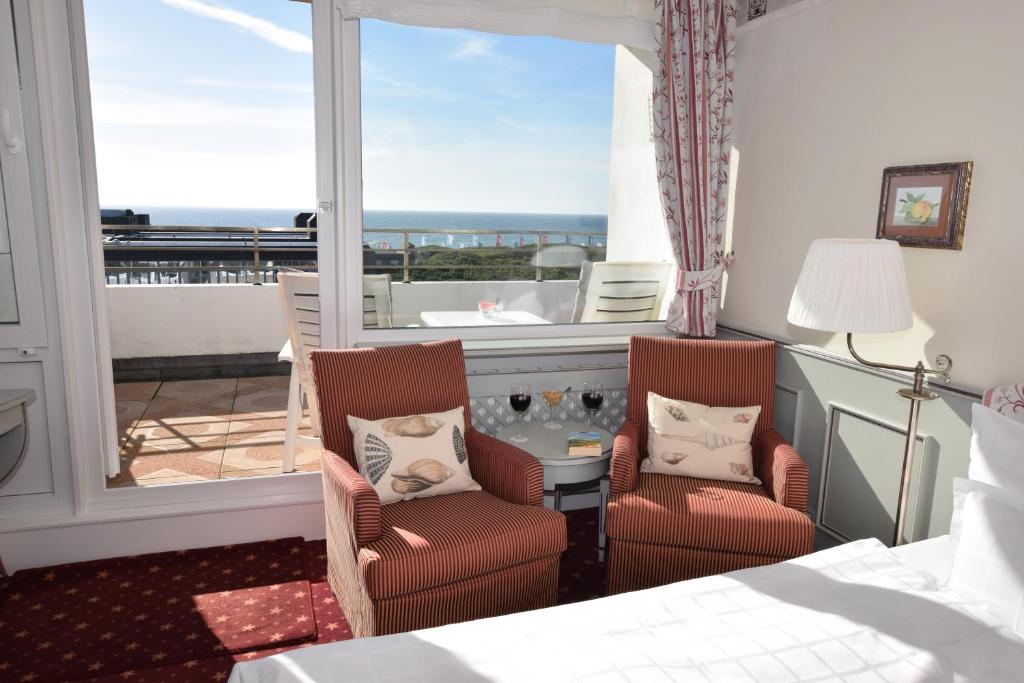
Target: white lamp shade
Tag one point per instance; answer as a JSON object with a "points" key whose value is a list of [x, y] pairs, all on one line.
{"points": [[852, 286]]}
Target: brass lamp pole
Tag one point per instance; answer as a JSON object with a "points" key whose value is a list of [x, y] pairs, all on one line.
{"points": [[917, 394]]}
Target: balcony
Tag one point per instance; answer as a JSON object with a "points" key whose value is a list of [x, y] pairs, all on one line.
{"points": [[213, 318], [178, 294], [196, 430]]}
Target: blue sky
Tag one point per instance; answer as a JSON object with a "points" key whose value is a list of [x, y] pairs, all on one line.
{"points": [[206, 103]]}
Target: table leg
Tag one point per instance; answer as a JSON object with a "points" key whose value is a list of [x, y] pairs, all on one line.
{"points": [[602, 511], [557, 495]]}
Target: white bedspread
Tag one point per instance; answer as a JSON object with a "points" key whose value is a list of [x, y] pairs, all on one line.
{"points": [[853, 613]]}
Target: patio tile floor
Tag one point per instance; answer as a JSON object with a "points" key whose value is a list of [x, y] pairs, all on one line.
{"points": [[196, 430]]}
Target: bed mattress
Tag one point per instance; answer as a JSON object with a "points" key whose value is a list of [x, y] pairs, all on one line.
{"points": [[856, 612]]}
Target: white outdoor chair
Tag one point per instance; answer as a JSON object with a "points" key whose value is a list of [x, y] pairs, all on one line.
{"points": [[300, 295], [621, 291]]}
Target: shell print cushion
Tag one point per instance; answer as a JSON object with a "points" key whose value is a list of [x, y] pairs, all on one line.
{"points": [[694, 440], [413, 456]]}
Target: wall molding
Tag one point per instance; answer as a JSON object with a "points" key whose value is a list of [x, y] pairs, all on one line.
{"points": [[922, 456], [839, 359]]}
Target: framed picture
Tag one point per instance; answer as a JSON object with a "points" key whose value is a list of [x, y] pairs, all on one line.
{"points": [[925, 206]]}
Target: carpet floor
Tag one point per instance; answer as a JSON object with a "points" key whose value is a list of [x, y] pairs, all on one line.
{"points": [[190, 615]]}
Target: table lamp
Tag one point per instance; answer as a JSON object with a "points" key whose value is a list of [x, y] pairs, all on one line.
{"points": [[860, 286]]}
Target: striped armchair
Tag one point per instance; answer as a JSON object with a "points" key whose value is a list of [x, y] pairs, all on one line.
{"points": [[664, 528], [428, 561]]}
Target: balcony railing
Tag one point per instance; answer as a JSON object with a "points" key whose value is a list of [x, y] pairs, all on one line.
{"points": [[214, 255]]}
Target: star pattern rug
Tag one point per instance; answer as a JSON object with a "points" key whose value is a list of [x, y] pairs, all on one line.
{"points": [[190, 615]]}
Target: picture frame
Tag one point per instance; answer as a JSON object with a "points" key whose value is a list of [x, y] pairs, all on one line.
{"points": [[926, 205]]}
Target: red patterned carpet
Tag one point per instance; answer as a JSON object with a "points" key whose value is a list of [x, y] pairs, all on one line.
{"points": [[190, 615]]}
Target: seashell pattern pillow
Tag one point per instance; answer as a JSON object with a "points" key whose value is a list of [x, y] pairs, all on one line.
{"points": [[415, 456], [694, 440]]}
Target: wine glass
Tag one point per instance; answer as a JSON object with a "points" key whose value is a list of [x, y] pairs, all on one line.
{"points": [[519, 398], [553, 398], [592, 397]]}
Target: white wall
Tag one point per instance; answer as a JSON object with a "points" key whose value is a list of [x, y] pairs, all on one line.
{"points": [[194, 320], [828, 93], [636, 224]]}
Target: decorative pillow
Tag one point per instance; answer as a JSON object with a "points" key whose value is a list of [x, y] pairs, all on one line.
{"points": [[694, 440], [997, 450], [988, 563], [415, 456]]}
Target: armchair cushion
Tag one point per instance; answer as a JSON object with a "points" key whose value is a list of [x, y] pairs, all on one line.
{"points": [[413, 456], [431, 542], [711, 515], [694, 440], [505, 471]]}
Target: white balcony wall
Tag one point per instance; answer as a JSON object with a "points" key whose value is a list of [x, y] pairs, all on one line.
{"points": [[194, 320], [551, 300], [148, 321], [636, 224]]}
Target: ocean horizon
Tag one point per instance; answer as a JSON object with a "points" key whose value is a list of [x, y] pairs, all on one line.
{"points": [[589, 228]]}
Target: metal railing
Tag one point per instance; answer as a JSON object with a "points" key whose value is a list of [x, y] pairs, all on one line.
{"points": [[253, 268], [263, 259]]}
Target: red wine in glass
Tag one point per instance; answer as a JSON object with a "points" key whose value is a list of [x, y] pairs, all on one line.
{"points": [[519, 398], [592, 397], [520, 402]]}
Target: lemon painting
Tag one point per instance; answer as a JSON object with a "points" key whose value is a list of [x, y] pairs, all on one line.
{"points": [[917, 206]]}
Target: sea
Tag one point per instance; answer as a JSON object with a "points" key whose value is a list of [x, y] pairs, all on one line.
{"points": [[428, 228]]}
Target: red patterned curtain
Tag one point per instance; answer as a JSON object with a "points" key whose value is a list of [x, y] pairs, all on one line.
{"points": [[693, 130]]}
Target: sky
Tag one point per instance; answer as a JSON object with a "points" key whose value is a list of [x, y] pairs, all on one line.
{"points": [[208, 103]]}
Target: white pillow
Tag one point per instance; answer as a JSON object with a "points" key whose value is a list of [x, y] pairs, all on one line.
{"points": [[988, 564], [997, 450], [962, 487], [694, 440], [414, 456]]}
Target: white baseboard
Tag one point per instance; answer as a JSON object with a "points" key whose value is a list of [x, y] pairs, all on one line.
{"points": [[80, 542]]}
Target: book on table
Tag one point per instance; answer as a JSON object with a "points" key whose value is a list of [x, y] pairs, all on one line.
{"points": [[585, 443]]}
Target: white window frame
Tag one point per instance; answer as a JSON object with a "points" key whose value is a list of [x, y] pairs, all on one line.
{"points": [[30, 330], [350, 192], [61, 64]]}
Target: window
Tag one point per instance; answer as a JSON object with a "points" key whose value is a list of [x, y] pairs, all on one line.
{"points": [[490, 196]]}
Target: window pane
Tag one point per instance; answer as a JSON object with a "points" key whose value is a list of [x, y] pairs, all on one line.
{"points": [[486, 180], [203, 121]]}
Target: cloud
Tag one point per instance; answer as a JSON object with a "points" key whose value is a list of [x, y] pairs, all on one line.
{"points": [[476, 47], [267, 30], [250, 85], [393, 87], [519, 125]]}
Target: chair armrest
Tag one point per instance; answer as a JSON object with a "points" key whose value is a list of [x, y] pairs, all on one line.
{"points": [[781, 469], [625, 458], [508, 472], [349, 499]]}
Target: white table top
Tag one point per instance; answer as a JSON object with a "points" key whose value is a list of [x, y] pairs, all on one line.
{"points": [[476, 319], [551, 446]]}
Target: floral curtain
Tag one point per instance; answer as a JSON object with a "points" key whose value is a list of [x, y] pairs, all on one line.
{"points": [[693, 128]]}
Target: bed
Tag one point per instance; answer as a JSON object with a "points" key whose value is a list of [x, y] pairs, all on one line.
{"points": [[856, 612]]}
